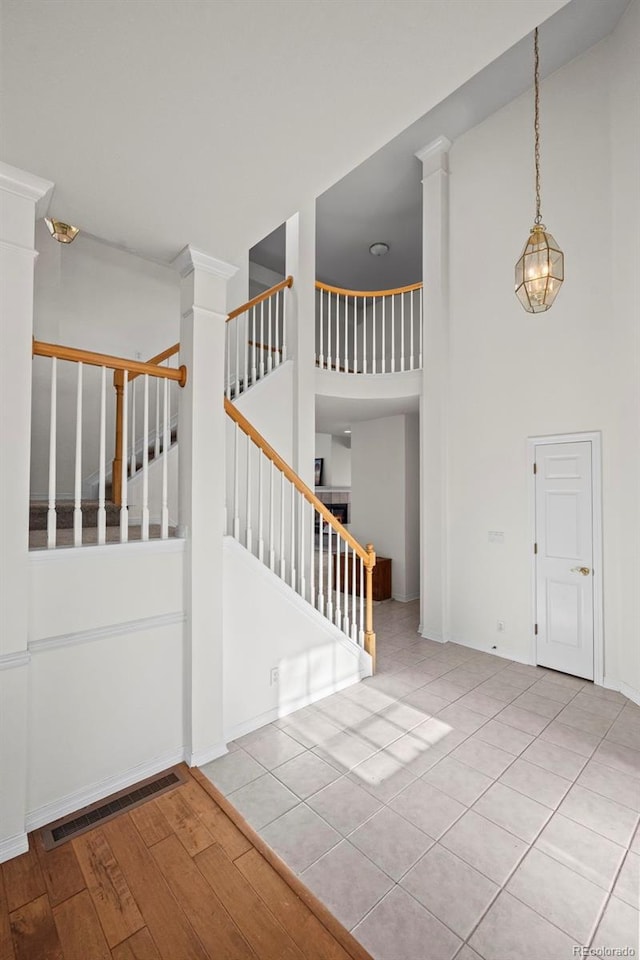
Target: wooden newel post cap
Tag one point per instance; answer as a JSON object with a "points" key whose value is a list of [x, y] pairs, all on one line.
{"points": [[372, 554]]}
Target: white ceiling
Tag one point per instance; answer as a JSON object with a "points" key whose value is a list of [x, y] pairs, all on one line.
{"points": [[336, 414], [382, 198], [166, 122]]}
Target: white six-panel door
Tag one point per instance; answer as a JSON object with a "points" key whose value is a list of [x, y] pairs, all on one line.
{"points": [[564, 557]]}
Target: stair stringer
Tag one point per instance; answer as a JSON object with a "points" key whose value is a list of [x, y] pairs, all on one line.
{"points": [[267, 625]]}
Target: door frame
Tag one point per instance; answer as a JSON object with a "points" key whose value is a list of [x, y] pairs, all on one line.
{"points": [[596, 495]]}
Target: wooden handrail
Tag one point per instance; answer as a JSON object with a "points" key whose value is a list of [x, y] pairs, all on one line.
{"points": [[160, 357], [367, 293], [262, 296], [137, 367], [368, 558]]}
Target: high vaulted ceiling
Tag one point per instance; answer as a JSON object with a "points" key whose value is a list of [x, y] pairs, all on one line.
{"points": [[166, 122]]}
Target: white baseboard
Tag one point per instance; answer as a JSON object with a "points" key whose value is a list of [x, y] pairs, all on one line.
{"points": [[49, 812], [200, 757], [624, 688], [13, 847], [482, 648], [277, 713], [406, 599], [431, 635]]}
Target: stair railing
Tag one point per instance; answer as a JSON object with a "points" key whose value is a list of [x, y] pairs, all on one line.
{"points": [[127, 369], [279, 519], [134, 450], [369, 331], [256, 339]]}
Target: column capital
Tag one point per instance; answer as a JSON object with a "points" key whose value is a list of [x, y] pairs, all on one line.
{"points": [[435, 156], [190, 259], [27, 186]]}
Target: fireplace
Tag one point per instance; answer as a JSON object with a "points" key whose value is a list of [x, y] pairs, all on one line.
{"points": [[340, 512]]}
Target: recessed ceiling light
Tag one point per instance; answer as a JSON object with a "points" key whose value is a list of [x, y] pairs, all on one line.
{"points": [[378, 249], [347, 431]]}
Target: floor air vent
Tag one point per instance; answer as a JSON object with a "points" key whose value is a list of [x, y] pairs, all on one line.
{"points": [[60, 831]]}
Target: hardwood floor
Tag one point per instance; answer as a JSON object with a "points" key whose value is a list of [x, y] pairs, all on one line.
{"points": [[182, 877]]}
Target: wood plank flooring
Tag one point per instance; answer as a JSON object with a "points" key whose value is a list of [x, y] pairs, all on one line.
{"points": [[182, 877]]}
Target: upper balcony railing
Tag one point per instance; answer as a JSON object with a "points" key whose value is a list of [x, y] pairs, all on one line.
{"points": [[369, 331]]}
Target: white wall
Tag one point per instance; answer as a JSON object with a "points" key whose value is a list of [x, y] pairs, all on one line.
{"points": [[313, 657], [107, 671], [384, 497], [268, 407], [92, 296], [575, 368], [336, 453]]}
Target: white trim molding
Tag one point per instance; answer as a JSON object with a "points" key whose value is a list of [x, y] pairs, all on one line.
{"points": [[26, 185], [60, 554], [435, 156], [200, 757], [19, 248], [9, 661], [102, 633], [13, 846], [623, 688], [190, 259], [595, 438], [72, 802]]}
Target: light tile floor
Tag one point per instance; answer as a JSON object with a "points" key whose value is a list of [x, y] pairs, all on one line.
{"points": [[456, 804]]}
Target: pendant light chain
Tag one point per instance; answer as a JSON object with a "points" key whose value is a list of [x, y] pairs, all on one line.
{"points": [[536, 123]]}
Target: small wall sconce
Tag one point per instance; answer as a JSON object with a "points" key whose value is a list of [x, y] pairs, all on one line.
{"points": [[62, 232]]}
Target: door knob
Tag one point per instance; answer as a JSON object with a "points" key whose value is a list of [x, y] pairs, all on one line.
{"points": [[583, 570]]}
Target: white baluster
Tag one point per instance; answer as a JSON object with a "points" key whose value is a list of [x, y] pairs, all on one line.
{"points": [[320, 564], [320, 357], [346, 336], [421, 322], [124, 512], [413, 356], [102, 466], [285, 296], [156, 445], [303, 582], [249, 531], [345, 581], [373, 335], [329, 575], [312, 558], [245, 350], [164, 511], [134, 459], [261, 339], [355, 336], [293, 537], [260, 507], [328, 330], [236, 499], [283, 566], [272, 552], [364, 334], [53, 419], [227, 336], [270, 338], [253, 345], [338, 610], [354, 609], [402, 338], [77, 507], [383, 337], [337, 315], [145, 459], [276, 332], [392, 368], [361, 634]]}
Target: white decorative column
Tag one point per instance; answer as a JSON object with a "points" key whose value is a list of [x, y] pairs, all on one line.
{"points": [[434, 619], [201, 429], [23, 198], [301, 334]]}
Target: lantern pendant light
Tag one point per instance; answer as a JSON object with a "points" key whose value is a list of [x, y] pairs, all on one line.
{"points": [[540, 269]]}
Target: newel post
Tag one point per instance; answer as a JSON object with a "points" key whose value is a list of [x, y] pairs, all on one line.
{"points": [[369, 635], [23, 198], [201, 495]]}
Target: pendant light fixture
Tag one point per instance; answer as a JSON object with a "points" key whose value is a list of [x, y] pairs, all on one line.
{"points": [[540, 269]]}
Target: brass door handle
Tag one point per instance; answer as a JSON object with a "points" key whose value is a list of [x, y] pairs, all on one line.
{"points": [[585, 571]]}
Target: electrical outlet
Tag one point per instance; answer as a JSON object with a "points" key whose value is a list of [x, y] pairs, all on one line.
{"points": [[500, 626], [275, 675]]}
